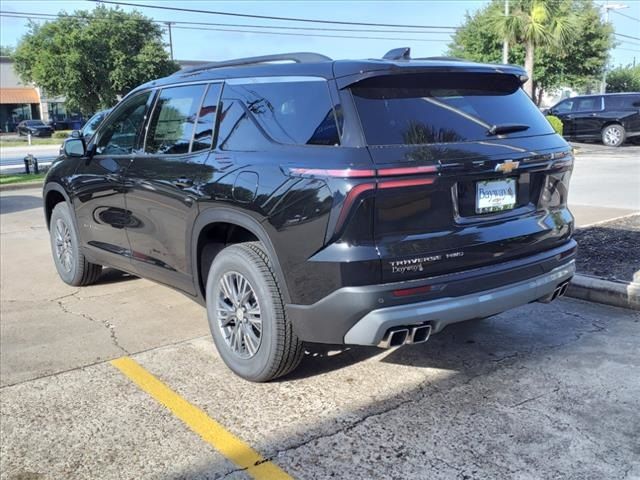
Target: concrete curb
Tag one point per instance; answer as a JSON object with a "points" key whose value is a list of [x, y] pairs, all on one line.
{"points": [[595, 289], [20, 186]]}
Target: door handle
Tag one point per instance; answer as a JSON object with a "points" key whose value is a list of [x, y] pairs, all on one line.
{"points": [[183, 182]]}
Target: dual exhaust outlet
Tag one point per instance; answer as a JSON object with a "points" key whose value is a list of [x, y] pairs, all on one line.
{"points": [[397, 336], [559, 291]]}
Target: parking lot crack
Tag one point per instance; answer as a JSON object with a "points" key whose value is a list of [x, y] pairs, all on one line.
{"points": [[531, 399], [415, 398], [105, 323]]}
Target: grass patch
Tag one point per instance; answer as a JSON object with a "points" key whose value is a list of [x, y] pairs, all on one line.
{"points": [[7, 179], [22, 142]]}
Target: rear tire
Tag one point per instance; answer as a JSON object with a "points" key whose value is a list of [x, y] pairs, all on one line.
{"points": [[70, 262], [247, 316], [613, 135]]}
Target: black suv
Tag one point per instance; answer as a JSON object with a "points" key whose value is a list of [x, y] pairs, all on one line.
{"points": [[611, 118], [368, 202]]}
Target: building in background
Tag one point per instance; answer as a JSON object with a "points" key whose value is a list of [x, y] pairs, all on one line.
{"points": [[17, 101], [20, 102]]}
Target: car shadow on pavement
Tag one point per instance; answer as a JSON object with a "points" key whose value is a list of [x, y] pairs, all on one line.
{"points": [[322, 358], [111, 275], [19, 203]]}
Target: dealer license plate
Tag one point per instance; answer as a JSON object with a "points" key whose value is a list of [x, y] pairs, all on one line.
{"points": [[495, 195]]}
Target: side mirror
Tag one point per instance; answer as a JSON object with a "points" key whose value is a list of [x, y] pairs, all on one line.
{"points": [[76, 134], [74, 147]]}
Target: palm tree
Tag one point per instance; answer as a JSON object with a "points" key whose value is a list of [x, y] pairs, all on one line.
{"points": [[534, 23]]}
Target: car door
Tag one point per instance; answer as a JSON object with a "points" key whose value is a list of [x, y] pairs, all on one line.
{"points": [[163, 184], [587, 117], [563, 111], [98, 184]]}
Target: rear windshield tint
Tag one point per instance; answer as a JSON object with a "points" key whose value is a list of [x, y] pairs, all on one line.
{"points": [[443, 108]]}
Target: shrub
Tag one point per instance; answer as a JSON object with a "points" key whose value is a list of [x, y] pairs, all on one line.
{"points": [[556, 123], [61, 134]]}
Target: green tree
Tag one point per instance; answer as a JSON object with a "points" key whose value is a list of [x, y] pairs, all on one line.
{"points": [[535, 23], [624, 79], [92, 57], [6, 51], [579, 62]]}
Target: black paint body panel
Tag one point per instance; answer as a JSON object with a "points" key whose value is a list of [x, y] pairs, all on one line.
{"points": [[145, 212]]}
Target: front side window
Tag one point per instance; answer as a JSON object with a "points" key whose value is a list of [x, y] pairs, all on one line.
{"points": [[563, 107], [173, 119], [413, 109], [291, 113], [94, 122], [120, 134]]}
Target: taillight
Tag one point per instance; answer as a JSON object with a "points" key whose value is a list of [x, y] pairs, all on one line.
{"points": [[380, 179], [334, 173], [354, 193]]}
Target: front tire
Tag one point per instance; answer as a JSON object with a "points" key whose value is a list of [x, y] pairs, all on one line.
{"points": [[247, 316], [70, 262], [613, 135]]}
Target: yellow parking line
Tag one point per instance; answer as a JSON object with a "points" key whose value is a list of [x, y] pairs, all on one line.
{"points": [[211, 431]]}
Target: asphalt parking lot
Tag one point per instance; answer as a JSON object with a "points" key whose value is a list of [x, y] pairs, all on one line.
{"points": [[121, 380]]}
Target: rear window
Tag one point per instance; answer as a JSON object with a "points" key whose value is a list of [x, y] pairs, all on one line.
{"points": [[293, 113], [443, 108]]}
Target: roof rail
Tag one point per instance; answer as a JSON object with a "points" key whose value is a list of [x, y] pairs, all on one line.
{"points": [[297, 57], [449, 59], [403, 53]]}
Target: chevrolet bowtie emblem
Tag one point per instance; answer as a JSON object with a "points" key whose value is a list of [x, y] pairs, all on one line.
{"points": [[507, 167]]}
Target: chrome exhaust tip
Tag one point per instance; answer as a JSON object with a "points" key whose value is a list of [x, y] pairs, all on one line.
{"points": [[419, 334], [563, 289], [394, 338]]}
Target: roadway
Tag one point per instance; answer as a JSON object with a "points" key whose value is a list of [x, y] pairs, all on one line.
{"points": [[12, 158], [605, 182]]}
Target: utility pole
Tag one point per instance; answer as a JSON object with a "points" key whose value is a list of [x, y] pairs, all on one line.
{"points": [[505, 44], [170, 39], [607, 7]]}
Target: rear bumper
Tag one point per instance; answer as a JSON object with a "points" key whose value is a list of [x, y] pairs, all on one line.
{"points": [[371, 329], [362, 315]]}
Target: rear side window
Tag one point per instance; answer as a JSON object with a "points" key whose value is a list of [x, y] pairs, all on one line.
{"points": [[173, 119], [203, 136], [443, 108], [588, 104], [622, 102], [293, 113]]}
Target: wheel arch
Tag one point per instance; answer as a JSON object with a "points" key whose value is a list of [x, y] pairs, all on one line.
{"points": [[224, 215], [53, 194]]}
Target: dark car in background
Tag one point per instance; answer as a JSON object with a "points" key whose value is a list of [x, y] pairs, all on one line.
{"points": [[362, 202], [37, 128], [610, 118]]}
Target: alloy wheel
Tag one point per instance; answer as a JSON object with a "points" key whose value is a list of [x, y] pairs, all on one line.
{"points": [[63, 242], [612, 136], [238, 315]]}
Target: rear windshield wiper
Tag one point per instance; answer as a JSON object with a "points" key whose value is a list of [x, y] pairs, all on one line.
{"points": [[506, 128]]}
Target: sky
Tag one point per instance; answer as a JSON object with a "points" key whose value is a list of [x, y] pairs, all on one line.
{"points": [[190, 44]]}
